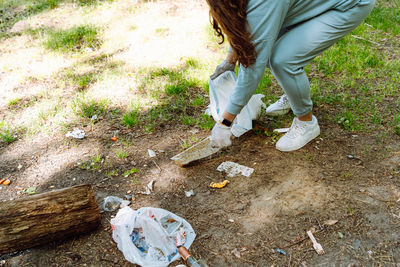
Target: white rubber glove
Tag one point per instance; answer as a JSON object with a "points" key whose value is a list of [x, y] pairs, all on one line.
{"points": [[221, 68], [220, 136]]}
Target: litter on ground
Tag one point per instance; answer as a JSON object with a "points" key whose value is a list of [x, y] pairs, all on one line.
{"points": [[232, 169], [282, 130], [149, 188], [219, 185], [112, 203], [76, 133], [150, 236], [317, 246], [152, 154], [189, 193]]}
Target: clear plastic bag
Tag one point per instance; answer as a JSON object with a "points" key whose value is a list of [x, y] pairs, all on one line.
{"points": [[220, 90], [149, 235]]}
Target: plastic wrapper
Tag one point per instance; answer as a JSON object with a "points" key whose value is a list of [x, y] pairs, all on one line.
{"points": [[149, 236]]}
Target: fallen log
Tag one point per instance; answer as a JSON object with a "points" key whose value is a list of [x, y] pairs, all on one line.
{"points": [[47, 217]]}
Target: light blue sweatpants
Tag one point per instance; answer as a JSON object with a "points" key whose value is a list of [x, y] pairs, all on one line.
{"points": [[300, 45]]}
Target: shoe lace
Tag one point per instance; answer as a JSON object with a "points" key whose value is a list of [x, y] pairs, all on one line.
{"points": [[282, 100], [295, 130]]}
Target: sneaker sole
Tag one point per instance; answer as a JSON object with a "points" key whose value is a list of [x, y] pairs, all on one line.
{"points": [[316, 132], [278, 112]]}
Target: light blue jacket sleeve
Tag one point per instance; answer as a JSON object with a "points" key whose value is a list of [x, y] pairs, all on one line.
{"points": [[265, 19]]}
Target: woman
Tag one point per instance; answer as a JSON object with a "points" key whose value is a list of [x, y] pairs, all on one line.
{"points": [[285, 36]]}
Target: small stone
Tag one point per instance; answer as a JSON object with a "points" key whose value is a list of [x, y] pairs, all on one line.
{"points": [[350, 156], [128, 197], [129, 191], [231, 220]]}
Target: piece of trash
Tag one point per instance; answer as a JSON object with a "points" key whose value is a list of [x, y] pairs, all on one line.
{"points": [[94, 117], [198, 151], [114, 138], [317, 246], [112, 203], [281, 251], [19, 167], [30, 190], [149, 188], [357, 244], [340, 235], [232, 169], [231, 220], [189, 193], [7, 182], [2, 181], [76, 133], [152, 154], [236, 252], [282, 130], [350, 156], [149, 236], [219, 185], [330, 222]]}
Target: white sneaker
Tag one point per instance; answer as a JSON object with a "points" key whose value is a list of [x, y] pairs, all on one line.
{"points": [[299, 134], [280, 107]]}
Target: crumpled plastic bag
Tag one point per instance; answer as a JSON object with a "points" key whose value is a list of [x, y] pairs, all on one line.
{"points": [[220, 90], [148, 236]]}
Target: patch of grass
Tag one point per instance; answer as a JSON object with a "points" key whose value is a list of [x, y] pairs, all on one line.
{"points": [[385, 18], [93, 164], [14, 101], [162, 32], [112, 173], [396, 130], [348, 121], [121, 154], [73, 39], [130, 172], [86, 107], [7, 135], [175, 95], [181, 86]]}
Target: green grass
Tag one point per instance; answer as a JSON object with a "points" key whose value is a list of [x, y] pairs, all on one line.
{"points": [[130, 172], [73, 39], [86, 107], [386, 19], [14, 102], [7, 135], [179, 94], [121, 154]]}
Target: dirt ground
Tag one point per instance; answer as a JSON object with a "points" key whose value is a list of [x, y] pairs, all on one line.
{"points": [[242, 224]]}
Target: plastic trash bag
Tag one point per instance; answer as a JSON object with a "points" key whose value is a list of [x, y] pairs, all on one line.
{"points": [[148, 236], [220, 90]]}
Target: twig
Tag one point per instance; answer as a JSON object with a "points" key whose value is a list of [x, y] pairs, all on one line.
{"points": [[157, 166], [360, 38]]}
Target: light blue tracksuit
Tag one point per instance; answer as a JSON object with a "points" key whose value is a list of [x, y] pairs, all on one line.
{"points": [[288, 35]]}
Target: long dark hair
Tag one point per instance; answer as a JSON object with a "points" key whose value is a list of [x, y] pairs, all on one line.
{"points": [[229, 17]]}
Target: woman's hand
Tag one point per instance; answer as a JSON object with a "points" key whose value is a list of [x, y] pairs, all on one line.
{"points": [[228, 64], [221, 136]]}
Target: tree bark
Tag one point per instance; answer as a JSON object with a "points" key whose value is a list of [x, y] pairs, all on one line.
{"points": [[47, 217]]}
